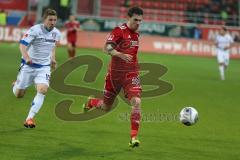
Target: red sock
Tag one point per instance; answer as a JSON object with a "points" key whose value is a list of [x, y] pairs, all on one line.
{"points": [[95, 102], [135, 121], [69, 53], [73, 52]]}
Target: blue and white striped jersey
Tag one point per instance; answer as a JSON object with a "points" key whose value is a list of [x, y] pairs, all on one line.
{"points": [[41, 43]]}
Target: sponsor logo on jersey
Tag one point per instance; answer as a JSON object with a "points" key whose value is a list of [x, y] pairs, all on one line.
{"points": [[136, 81], [134, 43], [110, 38], [50, 40], [54, 34], [45, 40]]}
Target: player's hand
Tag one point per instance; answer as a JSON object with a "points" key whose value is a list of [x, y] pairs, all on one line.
{"points": [[226, 48], [75, 28], [53, 64], [125, 57], [28, 61]]}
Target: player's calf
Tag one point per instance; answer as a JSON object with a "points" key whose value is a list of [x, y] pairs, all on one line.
{"points": [[93, 103], [106, 107], [135, 119]]}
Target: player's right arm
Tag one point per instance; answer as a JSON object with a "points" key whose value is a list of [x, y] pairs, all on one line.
{"points": [[77, 26], [216, 41], [112, 41], [24, 42], [69, 27], [109, 49], [230, 41], [53, 55], [23, 50]]}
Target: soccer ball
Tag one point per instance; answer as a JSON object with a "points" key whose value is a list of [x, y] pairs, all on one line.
{"points": [[188, 116]]}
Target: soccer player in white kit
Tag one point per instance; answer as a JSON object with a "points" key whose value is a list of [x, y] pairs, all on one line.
{"points": [[223, 43], [38, 56]]}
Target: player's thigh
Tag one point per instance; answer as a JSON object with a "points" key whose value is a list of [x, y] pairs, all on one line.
{"points": [[24, 78], [111, 90], [42, 78], [73, 44], [131, 91], [226, 58], [131, 86], [220, 56]]}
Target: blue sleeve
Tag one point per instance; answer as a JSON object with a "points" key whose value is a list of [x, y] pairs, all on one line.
{"points": [[29, 36], [23, 42]]}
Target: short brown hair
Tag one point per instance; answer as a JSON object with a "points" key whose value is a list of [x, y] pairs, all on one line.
{"points": [[49, 12], [224, 28], [135, 10]]}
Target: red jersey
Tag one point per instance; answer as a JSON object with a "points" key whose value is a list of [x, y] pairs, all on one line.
{"points": [[71, 31], [125, 41]]}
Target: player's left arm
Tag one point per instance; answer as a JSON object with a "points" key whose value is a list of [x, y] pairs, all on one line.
{"points": [[77, 26], [68, 27], [231, 41], [29, 36], [53, 59], [112, 41], [216, 41], [53, 55], [109, 48]]}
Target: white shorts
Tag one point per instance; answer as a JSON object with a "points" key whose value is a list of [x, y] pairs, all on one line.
{"points": [[29, 75], [223, 56]]}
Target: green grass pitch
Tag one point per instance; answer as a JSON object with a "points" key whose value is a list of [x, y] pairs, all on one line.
{"points": [[196, 83]]}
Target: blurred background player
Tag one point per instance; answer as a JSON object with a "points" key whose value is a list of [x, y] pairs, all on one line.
{"points": [[72, 26], [223, 43], [38, 53], [123, 73]]}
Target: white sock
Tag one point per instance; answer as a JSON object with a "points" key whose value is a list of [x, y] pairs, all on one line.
{"points": [[221, 70], [36, 105]]}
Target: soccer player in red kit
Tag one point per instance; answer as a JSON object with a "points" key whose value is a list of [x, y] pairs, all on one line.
{"points": [[72, 26], [123, 73]]}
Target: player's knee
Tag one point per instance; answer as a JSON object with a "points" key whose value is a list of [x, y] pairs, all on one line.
{"points": [[70, 46], [42, 89], [221, 64], [106, 108], [136, 102], [107, 104], [19, 93]]}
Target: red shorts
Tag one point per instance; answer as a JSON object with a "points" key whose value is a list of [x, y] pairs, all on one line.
{"points": [[129, 81], [72, 40]]}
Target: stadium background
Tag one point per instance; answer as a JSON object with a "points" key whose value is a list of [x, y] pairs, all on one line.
{"points": [[179, 27], [185, 28]]}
